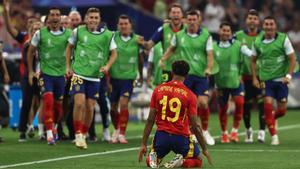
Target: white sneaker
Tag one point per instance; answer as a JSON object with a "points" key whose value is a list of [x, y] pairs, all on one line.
{"points": [[249, 136], [275, 140], [194, 138], [261, 136], [175, 162], [114, 137], [208, 138], [153, 159], [106, 135], [80, 141]]}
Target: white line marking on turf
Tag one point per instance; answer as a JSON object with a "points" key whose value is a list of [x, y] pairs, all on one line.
{"points": [[137, 148]]}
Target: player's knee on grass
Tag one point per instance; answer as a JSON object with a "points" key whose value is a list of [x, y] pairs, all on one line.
{"points": [[192, 163]]}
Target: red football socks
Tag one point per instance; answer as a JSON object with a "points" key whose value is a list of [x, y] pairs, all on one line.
{"points": [[77, 125], [123, 120], [280, 112], [204, 115], [48, 102], [84, 129], [269, 118], [58, 112], [223, 116], [192, 163], [115, 118], [239, 109]]}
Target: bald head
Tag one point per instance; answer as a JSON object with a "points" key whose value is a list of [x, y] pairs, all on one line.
{"points": [[75, 19]]}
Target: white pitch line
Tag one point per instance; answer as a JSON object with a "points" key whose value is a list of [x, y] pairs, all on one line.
{"points": [[136, 148]]}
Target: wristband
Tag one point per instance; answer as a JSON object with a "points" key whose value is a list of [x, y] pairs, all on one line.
{"points": [[288, 76]]}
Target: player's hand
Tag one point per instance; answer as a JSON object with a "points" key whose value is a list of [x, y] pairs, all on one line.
{"points": [[207, 155], [142, 152], [161, 64], [30, 78], [104, 69], [141, 40], [69, 72], [256, 83], [286, 80], [207, 72], [148, 81], [6, 79], [140, 82]]}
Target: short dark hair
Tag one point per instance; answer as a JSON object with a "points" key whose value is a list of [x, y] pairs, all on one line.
{"points": [[93, 10], [180, 68], [175, 5], [53, 8], [193, 12], [270, 18], [252, 12], [225, 23], [123, 16]]}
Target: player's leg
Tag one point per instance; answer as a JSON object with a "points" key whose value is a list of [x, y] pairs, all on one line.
{"points": [[238, 95], [268, 109], [104, 110], [282, 94], [126, 91], [161, 146], [223, 96], [249, 95], [41, 129], [187, 153], [48, 106], [59, 90], [25, 109], [261, 116], [114, 111]]}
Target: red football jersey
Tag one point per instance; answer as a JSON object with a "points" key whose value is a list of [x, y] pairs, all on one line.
{"points": [[174, 103]]}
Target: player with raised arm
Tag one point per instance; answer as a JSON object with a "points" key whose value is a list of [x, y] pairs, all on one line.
{"points": [[173, 107], [275, 53], [94, 54], [194, 45], [164, 35]]}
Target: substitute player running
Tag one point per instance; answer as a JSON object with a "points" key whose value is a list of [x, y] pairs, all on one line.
{"points": [[247, 37], [194, 45], [274, 51], [173, 107], [123, 74], [228, 55], [51, 42], [94, 53]]}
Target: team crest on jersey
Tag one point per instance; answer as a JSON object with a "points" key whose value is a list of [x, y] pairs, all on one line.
{"points": [[132, 60], [100, 55], [196, 57]]}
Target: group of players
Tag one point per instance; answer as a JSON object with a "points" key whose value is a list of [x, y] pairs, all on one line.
{"points": [[251, 65]]}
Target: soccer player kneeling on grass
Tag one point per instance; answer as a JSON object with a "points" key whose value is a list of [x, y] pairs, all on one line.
{"points": [[275, 53], [173, 107]]}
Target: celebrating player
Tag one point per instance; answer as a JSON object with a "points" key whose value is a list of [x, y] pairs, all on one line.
{"points": [[195, 46], [51, 43], [173, 107], [274, 51], [94, 53], [247, 37], [227, 54], [123, 74]]}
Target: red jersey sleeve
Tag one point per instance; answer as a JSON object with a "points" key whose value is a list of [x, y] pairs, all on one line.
{"points": [[193, 104], [153, 99]]}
